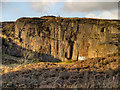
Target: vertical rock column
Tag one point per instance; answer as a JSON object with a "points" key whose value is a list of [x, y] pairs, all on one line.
{"points": [[68, 52], [75, 51], [16, 30], [60, 43], [56, 42], [52, 36]]}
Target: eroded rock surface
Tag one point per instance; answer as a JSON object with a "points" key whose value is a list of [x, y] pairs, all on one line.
{"points": [[61, 38]]}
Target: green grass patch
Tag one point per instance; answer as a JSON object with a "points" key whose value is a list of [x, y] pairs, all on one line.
{"points": [[70, 62], [67, 62]]}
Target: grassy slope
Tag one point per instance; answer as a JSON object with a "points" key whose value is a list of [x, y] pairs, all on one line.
{"points": [[64, 74]]}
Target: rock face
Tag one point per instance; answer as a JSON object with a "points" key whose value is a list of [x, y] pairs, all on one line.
{"points": [[61, 38]]}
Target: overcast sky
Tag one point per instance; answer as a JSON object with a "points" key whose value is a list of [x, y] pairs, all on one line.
{"points": [[12, 10]]}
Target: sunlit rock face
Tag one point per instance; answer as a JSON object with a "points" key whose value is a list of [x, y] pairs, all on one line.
{"points": [[62, 38]]}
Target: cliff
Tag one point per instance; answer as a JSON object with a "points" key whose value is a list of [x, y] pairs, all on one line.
{"points": [[49, 38]]}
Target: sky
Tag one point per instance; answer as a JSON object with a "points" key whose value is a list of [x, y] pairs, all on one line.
{"points": [[11, 10]]}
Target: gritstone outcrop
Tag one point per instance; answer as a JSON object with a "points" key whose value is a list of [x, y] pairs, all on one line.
{"points": [[60, 38]]}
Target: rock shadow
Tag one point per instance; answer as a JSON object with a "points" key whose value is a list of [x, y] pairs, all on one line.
{"points": [[12, 49]]}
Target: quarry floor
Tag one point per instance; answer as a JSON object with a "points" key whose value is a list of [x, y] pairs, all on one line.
{"points": [[91, 73]]}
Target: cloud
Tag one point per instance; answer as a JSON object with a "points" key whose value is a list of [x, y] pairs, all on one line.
{"points": [[42, 7], [75, 6], [91, 15], [104, 8], [108, 15], [104, 15], [71, 6], [81, 7]]}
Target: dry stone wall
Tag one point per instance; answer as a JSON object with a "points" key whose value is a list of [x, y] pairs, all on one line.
{"points": [[64, 38]]}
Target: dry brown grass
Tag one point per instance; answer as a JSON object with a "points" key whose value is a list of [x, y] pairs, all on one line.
{"points": [[91, 73]]}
